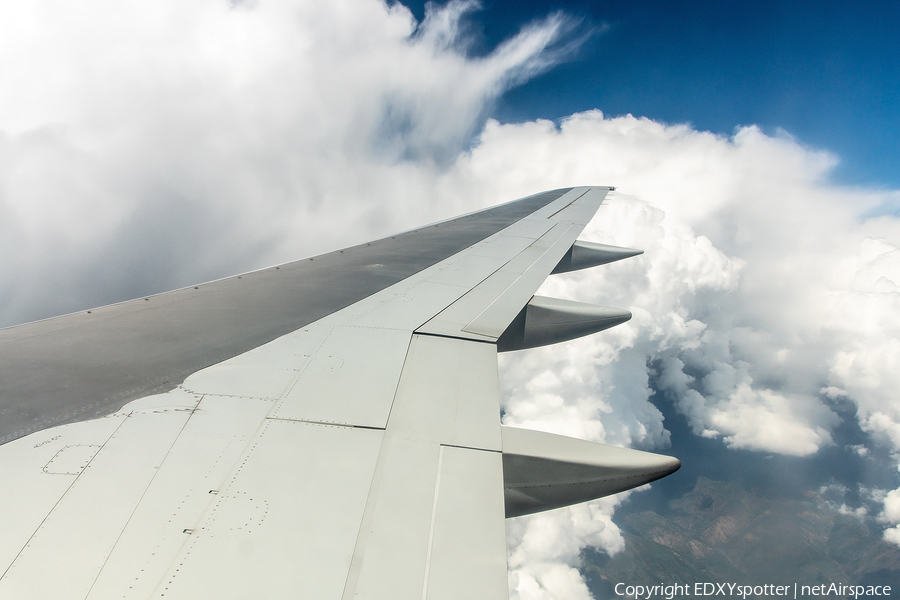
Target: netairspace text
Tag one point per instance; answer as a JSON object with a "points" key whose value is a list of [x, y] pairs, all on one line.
{"points": [[649, 592]]}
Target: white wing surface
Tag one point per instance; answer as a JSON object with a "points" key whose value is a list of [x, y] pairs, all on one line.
{"points": [[325, 429]]}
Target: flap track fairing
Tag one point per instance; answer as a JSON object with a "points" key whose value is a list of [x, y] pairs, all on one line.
{"points": [[546, 321], [584, 255], [542, 471]]}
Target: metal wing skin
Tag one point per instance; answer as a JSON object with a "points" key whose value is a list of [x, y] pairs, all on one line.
{"points": [[328, 428]]}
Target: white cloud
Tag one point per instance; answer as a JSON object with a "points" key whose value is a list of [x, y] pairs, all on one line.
{"points": [[763, 294], [149, 145], [544, 549], [232, 134], [761, 284]]}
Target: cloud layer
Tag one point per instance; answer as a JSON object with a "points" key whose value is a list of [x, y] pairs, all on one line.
{"points": [[148, 146], [194, 137], [764, 295]]}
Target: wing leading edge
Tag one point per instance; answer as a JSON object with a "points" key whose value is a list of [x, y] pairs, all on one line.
{"points": [[346, 445]]}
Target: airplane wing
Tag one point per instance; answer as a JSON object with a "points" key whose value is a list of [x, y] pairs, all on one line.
{"points": [[328, 428]]}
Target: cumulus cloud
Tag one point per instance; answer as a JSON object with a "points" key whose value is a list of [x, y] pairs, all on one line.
{"points": [[764, 295], [145, 146], [740, 308], [196, 137], [545, 549]]}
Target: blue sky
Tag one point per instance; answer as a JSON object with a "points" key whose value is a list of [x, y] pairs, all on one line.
{"points": [[828, 73]]}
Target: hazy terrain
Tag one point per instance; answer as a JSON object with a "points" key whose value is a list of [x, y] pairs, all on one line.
{"points": [[719, 532]]}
